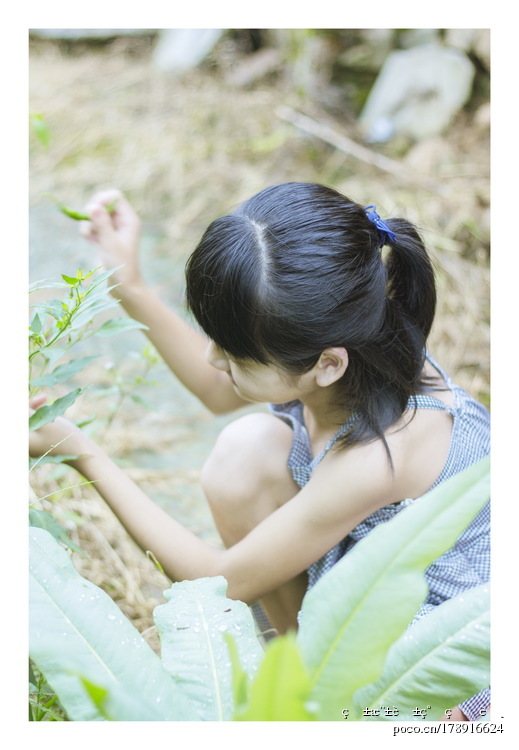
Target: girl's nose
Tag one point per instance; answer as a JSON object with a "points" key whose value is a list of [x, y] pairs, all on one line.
{"points": [[216, 357]]}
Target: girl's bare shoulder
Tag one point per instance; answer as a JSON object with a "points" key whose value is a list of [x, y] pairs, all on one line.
{"points": [[419, 446]]}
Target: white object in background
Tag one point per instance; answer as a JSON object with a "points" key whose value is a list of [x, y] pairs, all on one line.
{"points": [[417, 93], [180, 49]]}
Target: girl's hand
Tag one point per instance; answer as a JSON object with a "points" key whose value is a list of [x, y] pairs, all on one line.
{"points": [[57, 438], [115, 227]]}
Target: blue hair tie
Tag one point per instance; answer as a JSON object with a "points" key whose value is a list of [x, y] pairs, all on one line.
{"points": [[384, 231]]}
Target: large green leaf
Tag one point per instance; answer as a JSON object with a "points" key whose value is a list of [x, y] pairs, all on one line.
{"points": [[99, 278], [280, 690], [440, 661], [355, 612], [77, 632], [191, 626]]}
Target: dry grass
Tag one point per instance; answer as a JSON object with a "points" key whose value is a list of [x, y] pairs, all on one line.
{"points": [[186, 150]]}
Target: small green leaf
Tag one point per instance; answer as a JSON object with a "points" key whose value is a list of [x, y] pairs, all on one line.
{"points": [[87, 275], [240, 678], [33, 462], [52, 307], [117, 325], [53, 354], [44, 520], [36, 341], [86, 421], [63, 372], [46, 284], [87, 312], [154, 560], [36, 324], [72, 280], [44, 712], [142, 402], [115, 703], [102, 276], [150, 354], [97, 694], [76, 215], [69, 211], [40, 129], [46, 414], [280, 690]]}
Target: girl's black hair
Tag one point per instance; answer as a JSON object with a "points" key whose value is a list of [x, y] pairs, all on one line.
{"points": [[298, 268]]}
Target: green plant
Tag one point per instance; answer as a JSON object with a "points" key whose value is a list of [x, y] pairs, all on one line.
{"points": [[353, 653], [56, 328], [58, 325], [43, 702]]}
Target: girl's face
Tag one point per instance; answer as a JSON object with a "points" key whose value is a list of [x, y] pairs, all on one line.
{"points": [[256, 382]]}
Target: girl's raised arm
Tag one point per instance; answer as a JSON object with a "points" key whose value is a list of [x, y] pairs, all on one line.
{"points": [[115, 228]]}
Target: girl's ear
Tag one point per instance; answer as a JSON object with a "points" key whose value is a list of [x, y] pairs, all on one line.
{"points": [[331, 366]]}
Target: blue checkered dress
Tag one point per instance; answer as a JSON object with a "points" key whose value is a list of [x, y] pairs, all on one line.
{"points": [[467, 564]]}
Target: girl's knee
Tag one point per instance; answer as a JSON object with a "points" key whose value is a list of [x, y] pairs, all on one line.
{"points": [[249, 454]]}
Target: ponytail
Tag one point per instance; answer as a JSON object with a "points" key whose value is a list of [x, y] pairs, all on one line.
{"points": [[410, 275], [387, 369]]}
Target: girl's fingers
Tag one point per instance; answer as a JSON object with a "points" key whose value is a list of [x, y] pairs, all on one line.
{"points": [[100, 220], [110, 201], [37, 401], [106, 197], [113, 223], [87, 231], [106, 210]]}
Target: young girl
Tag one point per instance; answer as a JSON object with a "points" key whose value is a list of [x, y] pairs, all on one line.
{"points": [[299, 310]]}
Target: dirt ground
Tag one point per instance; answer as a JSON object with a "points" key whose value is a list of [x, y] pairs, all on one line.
{"points": [[185, 150]]}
